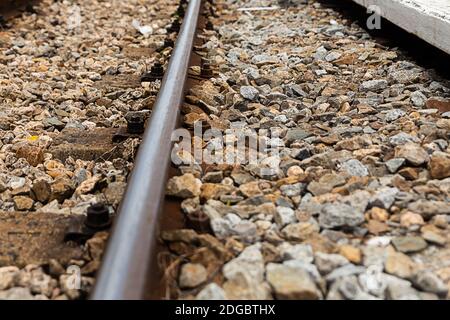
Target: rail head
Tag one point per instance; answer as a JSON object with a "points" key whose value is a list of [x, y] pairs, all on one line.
{"points": [[124, 270]]}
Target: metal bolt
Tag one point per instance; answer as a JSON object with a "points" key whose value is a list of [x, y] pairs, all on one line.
{"points": [[198, 221], [168, 43], [209, 25], [97, 216], [156, 72], [174, 27], [206, 71], [135, 122], [77, 232]]}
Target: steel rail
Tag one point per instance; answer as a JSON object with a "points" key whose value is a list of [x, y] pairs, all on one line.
{"points": [[132, 244]]}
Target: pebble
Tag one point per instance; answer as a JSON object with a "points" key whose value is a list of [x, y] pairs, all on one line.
{"points": [[354, 167], [418, 99], [211, 292], [291, 283], [192, 275], [440, 166], [302, 252], [284, 216], [351, 253], [185, 186], [400, 265], [429, 282], [412, 153], [300, 231], [339, 215], [409, 219], [384, 197], [249, 93], [409, 244], [328, 262], [23, 203], [374, 85]]}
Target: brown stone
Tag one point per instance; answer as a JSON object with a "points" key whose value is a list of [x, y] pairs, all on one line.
{"points": [[377, 227], [434, 235], [22, 203], [413, 153], [33, 154], [409, 173], [379, 214], [443, 105], [439, 167], [399, 265], [410, 218], [41, 191], [352, 254], [61, 189]]}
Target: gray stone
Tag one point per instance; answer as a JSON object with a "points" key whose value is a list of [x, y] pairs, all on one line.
{"points": [[359, 200], [402, 138], [292, 190], [16, 182], [428, 281], [408, 244], [393, 115], [211, 292], [284, 216], [418, 99], [354, 167], [250, 263], [339, 215], [231, 224], [429, 208], [373, 85], [249, 93], [344, 271], [302, 252], [332, 56], [398, 289], [384, 197], [308, 267], [394, 164], [328, 262], [41, 283], [320, 53], [296, 134]]}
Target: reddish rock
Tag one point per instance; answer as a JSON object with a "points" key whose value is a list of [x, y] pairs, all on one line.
{"points": [[442, 105]]}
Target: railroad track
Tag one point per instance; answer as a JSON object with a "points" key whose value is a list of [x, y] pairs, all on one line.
{"points": [[287, 155], [131, 253]]}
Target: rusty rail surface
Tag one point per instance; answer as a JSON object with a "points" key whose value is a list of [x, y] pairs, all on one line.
{"points": [[132, 244]]}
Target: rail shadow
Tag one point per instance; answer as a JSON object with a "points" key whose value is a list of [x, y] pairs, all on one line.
{"points": [[12, 8]]}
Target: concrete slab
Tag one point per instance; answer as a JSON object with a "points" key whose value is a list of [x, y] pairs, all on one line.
{"points": [[427, 19]]}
